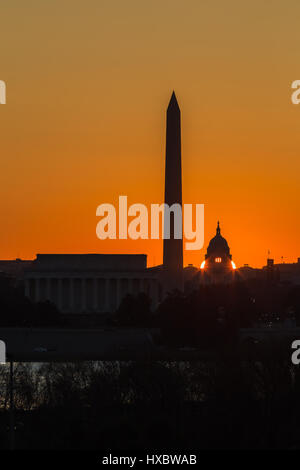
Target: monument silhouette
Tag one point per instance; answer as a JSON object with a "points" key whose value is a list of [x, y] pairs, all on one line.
{"points": [[173, 248]]}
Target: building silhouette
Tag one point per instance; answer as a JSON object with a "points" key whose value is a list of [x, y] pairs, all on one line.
{"points": [[218, 266], [89, 283], [172, 247]]}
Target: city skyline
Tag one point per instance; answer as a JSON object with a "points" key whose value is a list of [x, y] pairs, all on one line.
{"points": [[85, 121]]}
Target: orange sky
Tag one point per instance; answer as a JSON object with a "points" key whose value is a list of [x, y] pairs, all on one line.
{"points": [[88, 83]]}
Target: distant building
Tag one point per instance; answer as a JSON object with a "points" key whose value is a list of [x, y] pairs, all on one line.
{"points": [[246, 272], [91, 283], [285, 272], [218, 266]]}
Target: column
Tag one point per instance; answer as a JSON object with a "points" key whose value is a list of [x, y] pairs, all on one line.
{"points": [[130, 286], [106, 295], [83, 295], [95, 294], [118, 293], [60, 294], [72, 296], [27, 288], [37, 290], [48, 288]]}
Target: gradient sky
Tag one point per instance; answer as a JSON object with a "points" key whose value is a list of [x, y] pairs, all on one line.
{"points": [[88, 83]]}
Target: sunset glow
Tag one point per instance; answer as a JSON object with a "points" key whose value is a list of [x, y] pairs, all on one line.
{"points": [[85, 117]]}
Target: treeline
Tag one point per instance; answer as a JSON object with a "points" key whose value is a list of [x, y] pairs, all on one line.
{"points": [[212, 315], [224, 403], [208, 313], [17, 310]]}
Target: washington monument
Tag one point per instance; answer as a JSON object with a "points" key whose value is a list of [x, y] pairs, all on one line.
{"points": [[173, 248]]}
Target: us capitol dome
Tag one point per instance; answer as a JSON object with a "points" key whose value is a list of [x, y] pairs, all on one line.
{"points": [[218, 265]]}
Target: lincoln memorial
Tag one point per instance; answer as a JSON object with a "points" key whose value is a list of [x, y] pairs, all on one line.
{"points": [[89, 283]]}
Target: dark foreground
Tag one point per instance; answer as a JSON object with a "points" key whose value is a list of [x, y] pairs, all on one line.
{"points": [[225, 403]]}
